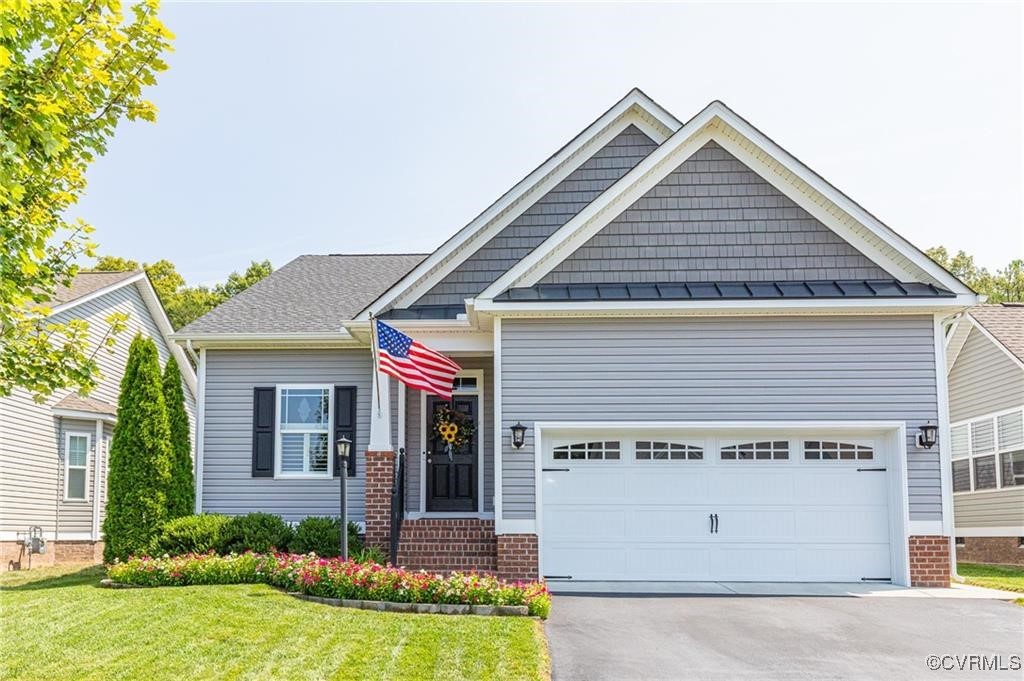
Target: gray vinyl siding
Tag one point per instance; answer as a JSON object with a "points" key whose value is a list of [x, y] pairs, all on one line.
{"points": [[30, 438], [415, 446], [983, 380], [706, 369], [713, 219], [231, 375], [542, 219], [1002, 508], [76, 515]]}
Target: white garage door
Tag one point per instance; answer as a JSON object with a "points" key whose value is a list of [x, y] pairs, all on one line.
{"points": [[773, 508]]}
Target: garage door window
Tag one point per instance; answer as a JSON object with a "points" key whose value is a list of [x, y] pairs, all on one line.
{"points": [[657, 450], [771, 450], [589, 451], [824, 450]]}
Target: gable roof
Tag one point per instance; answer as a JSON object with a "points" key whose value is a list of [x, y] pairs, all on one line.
{"points": [[636, 108], [86, 283], [311, 294], [1004, 323], [717, 122], [87, 405]]}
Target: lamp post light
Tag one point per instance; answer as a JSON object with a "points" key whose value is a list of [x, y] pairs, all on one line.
{"points": [[343, 444]]}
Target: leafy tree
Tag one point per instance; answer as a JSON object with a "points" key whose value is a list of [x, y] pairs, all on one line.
{"points": [[186, 303], [70, 71], [181, 494], [140, 457], [1006, 285]]}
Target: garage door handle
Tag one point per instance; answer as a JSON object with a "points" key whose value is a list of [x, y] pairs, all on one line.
{"points": [[713, 517], [556, 470], [870, 470], [716, 523]]}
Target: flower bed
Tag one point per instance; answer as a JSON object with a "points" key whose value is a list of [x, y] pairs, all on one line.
{"points": [[331, 578]]}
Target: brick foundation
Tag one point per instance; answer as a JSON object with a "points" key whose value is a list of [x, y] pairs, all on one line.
{"points": [[13, 556], [380, 478], [930, 561], [997, 550], [517, 557], [447, 544]]}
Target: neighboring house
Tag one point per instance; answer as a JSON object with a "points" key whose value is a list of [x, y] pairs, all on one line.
{"points": [[985, 355], [722, 366], [53, 456]]}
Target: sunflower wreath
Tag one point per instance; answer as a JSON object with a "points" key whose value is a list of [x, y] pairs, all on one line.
{"points": [[453, 426]]}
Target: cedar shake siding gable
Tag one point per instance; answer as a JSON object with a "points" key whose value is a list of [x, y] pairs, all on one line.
{"points": [[542, 219], [713, 219]]}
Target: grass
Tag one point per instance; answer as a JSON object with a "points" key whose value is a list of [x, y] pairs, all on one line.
{"points": [[56, 623], [1004, 577]]}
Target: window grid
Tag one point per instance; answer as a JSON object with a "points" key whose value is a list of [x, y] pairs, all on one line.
{"points": [[998, 439], [609, 450], [76, 461], [827, 450], [763, 450], [304, 421], [657, 450]]}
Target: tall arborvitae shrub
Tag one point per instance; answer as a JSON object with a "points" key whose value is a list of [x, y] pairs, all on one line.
{"points": [[140, 457], [181, 494]]}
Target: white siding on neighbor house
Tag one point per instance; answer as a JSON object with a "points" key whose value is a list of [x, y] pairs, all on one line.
{"points": [[75, 515], [983, 380], [231, 375], [719, 369], [30, 441]]}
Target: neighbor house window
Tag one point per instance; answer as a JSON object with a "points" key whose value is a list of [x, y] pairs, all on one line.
{"points": [[988, 452], [304, 423], [76, 465]]}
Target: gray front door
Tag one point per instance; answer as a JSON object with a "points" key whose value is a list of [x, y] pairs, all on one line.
{"points": [[452, 475]]}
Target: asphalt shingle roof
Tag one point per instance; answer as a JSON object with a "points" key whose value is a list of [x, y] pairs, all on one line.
{"points": [[1005, 322], [88, 404], [311, 294], [85, 283]]}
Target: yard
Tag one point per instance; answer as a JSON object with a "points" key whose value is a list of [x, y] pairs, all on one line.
{"points": [[1003, 577], [57, 623]]}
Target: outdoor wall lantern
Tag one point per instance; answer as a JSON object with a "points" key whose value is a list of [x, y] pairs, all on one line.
{"points": [[518, 436], [343, 444], [927, 435]]}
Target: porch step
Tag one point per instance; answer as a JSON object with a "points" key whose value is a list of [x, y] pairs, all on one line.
{"points": [[444, 545]]}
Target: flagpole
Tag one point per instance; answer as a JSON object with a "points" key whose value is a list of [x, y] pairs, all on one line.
{"points": [[375, 350]]}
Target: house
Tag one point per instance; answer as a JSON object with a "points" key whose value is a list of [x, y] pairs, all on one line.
{"points": [[985, 355], [685, 356], [53, 455]]}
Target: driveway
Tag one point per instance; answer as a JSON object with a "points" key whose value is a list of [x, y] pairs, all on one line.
{"points": [[625, 638]]}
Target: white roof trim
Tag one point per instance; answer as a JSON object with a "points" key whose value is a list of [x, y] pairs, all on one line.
{"points": [[156, 310], [721, 124], [988, 334], [64, 307], [635, 108]]}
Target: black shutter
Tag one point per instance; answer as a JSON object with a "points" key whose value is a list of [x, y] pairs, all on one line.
{"points": [[263, 432], [345, 425]]}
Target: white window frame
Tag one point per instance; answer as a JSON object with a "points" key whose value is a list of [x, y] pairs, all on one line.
{"points": [[997, 451], [794, 449], [85, 467], [278, 416], [689, 443]]}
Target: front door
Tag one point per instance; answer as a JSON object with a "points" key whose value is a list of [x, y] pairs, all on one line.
{"points": [[451, 471]]}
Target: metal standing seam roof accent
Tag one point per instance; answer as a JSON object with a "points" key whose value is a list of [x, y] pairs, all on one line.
{"points": [[725, 291]]}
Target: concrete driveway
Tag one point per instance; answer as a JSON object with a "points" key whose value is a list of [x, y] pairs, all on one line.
{"points": [[625, 638]]}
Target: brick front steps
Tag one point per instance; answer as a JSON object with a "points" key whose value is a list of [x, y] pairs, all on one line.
{"points": [[447, 544]]}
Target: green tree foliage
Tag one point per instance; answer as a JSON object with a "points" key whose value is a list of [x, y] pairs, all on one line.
{"points": [[185, 303], [140, 457], [1004, 286], [181, 494], [70, 71]]}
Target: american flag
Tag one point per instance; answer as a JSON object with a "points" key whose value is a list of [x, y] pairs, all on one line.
{"points": [[413, 363]]}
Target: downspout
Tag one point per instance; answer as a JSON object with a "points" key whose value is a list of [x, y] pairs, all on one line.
{"points": [[946, 323]]}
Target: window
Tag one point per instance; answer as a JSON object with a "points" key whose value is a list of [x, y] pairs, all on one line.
{"points": [[773, 450], [1013, 468], [815, 450], [76, 463], [653, 450], [588, 451], [304, 422], [959, 541], [464, 384], [962, 475], [988, 452]]}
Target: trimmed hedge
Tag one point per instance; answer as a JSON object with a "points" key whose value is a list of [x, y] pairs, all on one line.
{"points": [[259, 532], [191, 534], [332, 578], [321, 536]]}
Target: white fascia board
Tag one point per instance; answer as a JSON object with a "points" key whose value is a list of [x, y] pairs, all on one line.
{"points": [[634, 109], [83, 415], [64, 307], [163, 323], [757, 426], [633, 308], [453, 335], [987, 334], [340, 339], [706, 126]]}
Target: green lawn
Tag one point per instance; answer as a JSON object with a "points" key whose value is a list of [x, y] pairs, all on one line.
{"points": [[57, 623], [1002, 577]]}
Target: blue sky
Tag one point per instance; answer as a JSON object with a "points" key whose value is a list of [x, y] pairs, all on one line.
{"points": [[291, 128]]}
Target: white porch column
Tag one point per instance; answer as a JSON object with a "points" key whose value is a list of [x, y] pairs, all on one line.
{"points": [[380, 417]]}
